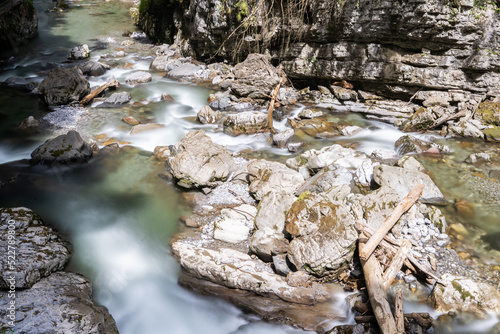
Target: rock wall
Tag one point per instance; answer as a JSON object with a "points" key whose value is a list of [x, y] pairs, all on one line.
{"points": [[17, 24], [392, 47]]}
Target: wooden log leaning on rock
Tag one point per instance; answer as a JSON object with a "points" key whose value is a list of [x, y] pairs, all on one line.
{"points": [[112, 83], [376, 293], [389, 222], [424, 320], [396, 263], [398, 312]]}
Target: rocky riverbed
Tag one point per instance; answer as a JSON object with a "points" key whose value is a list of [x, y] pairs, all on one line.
{"points": [[277, 236]]}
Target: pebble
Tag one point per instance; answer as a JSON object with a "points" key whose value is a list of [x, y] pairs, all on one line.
{"points": [[404, 230], [412, 223], [441, 243], [430, 249], [443, 236]]}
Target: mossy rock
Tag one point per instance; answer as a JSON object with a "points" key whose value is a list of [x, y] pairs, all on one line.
{"points": [[489, 113], [493, 133]]}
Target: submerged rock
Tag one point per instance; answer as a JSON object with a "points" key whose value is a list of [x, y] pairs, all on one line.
{"points": [[196, 161], [60, 303], [118, 98], [64, 85], [138, 77], [68, 148], [79, 52], [38, 250]]}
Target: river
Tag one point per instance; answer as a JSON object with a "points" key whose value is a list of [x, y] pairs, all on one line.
{"points": [[117, 213]]}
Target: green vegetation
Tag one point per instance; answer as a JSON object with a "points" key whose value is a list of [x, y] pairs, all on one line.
{"points": [[241, 10], [464, 294]]}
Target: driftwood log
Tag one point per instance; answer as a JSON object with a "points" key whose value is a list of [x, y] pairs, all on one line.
{"points": [[389, 222], [398, 312], [396, 264], [112, 83], [271, 108]]}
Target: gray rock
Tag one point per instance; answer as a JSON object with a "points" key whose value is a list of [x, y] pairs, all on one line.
{"points": [[220, 101], [68, 148], [478, 157], [281, 265], [323, 235], [269, 238], [410, 144], [294, 147], [38, 250], [198, 162], [402, 181], [207, 115], [332, 175], [63, 85], [16, 81], [184, 70], [255, 77], [246, 122], [281, 139], [235, 269], [465, 295], [118, 98], [235, 224], [162, 63], [411, 164], [138, 77], [79, 52], [309, 162], [343, 94], [308, 113], [266, 176], [465, 129], [60, 303], [93, 68]]}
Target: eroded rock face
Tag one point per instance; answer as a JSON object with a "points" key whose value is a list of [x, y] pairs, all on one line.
{"points": [[465, 295], [63, 85], [255, 77], [60, 303], [269, 238], [269, 176], [323, 232], [38, 249], [68, 148], [196, 161]]}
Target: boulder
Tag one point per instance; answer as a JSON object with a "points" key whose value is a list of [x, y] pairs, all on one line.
{"points": [[246, 122], [196, 161], [130, 120], [403, 180], [410, 144], [488, 112], [310, 162], [318, 127], [162, 63], [308, 113], [269, 238], [466, 128], [465, 295], [161, 153], [93, 68], [63, 85], [79, 52], [60, 303], [255, 77], [235, 269], [29, 125], [323, 235], [282, 139], [184, 70], [411, 164], [208, 116], [118, 98], [422, 119], [220, 101], [235, 224], [68, 148], [16, 81], [39, 251], [266, 176], [343, 94], [138, 77]]}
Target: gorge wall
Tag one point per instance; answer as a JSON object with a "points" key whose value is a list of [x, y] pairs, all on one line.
{"points": [[393, 47], [18, 23]]}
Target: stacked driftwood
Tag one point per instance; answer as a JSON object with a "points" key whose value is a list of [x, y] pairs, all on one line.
{"points": [[379, 280]]}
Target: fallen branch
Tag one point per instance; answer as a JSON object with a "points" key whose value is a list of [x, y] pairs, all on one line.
{"points": [[376, 293], [440, 121], [99, 90], [389, 222], [271, 108], [398, 312], [396, 264], [422, 319]]}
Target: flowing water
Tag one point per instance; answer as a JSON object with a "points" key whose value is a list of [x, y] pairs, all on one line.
{"points": [[115, 210]]}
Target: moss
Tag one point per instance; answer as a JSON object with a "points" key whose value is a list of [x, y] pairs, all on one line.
{"points": [[241, 10], [489, 112], [464, 294]]}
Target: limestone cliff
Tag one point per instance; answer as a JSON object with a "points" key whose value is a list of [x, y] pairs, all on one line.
{"points": [[393, 47], [18, 23]]}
